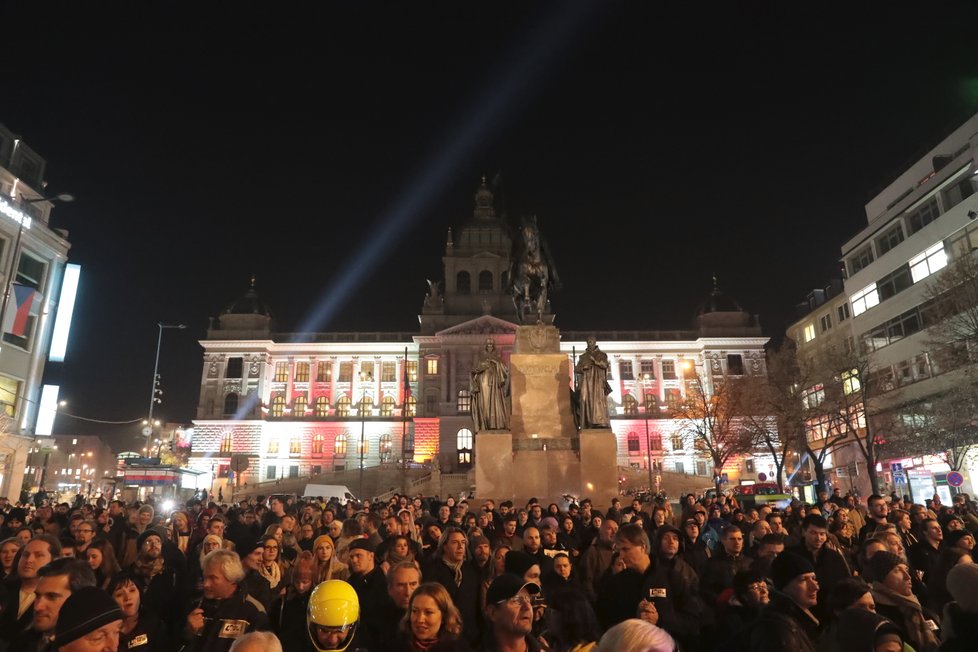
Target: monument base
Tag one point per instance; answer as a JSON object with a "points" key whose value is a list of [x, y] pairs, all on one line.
{"points": [[494, 465], [599, 467]]}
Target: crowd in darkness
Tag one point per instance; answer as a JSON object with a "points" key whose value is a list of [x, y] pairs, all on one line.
{"points": [[417, 574]]}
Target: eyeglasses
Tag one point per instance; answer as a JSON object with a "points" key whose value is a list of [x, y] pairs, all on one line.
{"points": [[758, 587], [517, 601]]}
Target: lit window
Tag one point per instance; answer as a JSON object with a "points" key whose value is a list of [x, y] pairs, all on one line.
{"points": [[463, 403], [431, 366], [931, 260], [463, 439], [226, 442], [343, 406], [677, 442], [363, 446], [629, 405], [346, 372], [809, 334], [295, 445], [299, 407], [850, 381], [366, 406], [367, 371], [302, 372], [388, 372], [412, 406], [865, 299], [278, 406], [412, 371], [625, 370], [324, 372], [321, 408], [386, 445], [339, 446], [317, 446], [281, 372], [273, 446], [813, 396], [647, 368]]}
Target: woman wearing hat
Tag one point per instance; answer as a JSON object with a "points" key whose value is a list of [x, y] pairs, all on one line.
{"points": [[892, 591], [328, 566]]}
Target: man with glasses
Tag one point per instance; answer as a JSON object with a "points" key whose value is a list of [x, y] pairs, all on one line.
{"points": [[509, 615], [159, 580], [84, 536], [878, 511]]}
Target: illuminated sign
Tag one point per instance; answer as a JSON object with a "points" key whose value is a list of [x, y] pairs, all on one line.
{"points": [[17, 216], [47, 410], [66, 308]]}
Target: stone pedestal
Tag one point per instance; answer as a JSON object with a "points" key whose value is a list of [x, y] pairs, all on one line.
{"points": [[543, 456]]}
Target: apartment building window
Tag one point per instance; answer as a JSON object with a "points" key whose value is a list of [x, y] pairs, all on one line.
{"points": [[861, 259], [813, 396], [931, 260], [321, 407], [234, 368], [412, 371], [431, 366], [895, 282], [647, 369], [735, 364], [387, 405], [958, 192], [278, 406], [343, 406], [669, 369], [825, 321], [625, 370], [299, 407], [808, 333], [388, 371], [889, 239], [850, 381], [865, 299], [892, 330], [923, 215], [302, 372], [843, 312], [324, 372], [463, 402], [281, 372]]}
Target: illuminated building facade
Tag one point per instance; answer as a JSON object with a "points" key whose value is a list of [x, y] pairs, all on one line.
{"points": [[34, 272], [292, 402]]}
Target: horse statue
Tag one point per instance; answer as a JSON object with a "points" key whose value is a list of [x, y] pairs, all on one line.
{"points": [[532, 274]]}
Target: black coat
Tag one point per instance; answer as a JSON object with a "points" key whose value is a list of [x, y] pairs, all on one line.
{"points": [[465, 596], [783, 626], [288, 620], [238, 614], [960, 629]]}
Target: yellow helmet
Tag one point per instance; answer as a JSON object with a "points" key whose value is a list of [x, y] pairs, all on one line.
{"points": [[333, 615]]}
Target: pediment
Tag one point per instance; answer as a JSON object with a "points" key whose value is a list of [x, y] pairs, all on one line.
{"points": [[484, 325]]}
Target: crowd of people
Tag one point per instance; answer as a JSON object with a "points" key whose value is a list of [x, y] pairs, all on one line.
{"points": [[415, 574]]}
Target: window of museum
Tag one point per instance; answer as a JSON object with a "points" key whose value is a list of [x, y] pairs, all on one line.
{"points": [[463, 443], [321, 407], [367, 371], [634, 445], [317, 445], [299, 407], [339, 446], [234, 368], [278, 406], [412, 371], [294, 471], [735, 364], [463, 403], [315, 469], [271, 472], [651, 404], [226, 442], [387, 405], [430, 405], [346, 372], [302, 372], [700, 468], [669, 369], [388, 372], [677, 442], [412, 407], [431, 366], [281, 372], [680, 467], [463, 283], [273, 446], [343, 406], [324, 372], [386, 447], [674, 399], [363, 447], [485, 281], [625, 370], [647, 369], [230, 405], [629, 405], [365, 407], [295, 445]]}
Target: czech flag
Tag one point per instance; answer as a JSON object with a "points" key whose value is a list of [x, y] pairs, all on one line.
{"points": [[24, 301]]}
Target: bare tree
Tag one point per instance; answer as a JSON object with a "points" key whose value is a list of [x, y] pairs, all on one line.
{"points": [[712, 420]]}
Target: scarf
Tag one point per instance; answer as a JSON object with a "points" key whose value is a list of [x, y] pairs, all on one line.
{"points": [[419, 645], [914, 624], [148, 568], [457, 570], [273, 574]]}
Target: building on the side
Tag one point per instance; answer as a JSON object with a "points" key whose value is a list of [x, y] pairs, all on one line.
{"points": [[288, 405], [916, 226], [67, 465], [34, 271]]}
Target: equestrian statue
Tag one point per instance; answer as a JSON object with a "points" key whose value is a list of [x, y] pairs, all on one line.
{"points": [[532, 274]]}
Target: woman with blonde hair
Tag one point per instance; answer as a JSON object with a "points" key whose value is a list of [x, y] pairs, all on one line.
{"points": [[432, 623], [328, 565], [180, 530]]}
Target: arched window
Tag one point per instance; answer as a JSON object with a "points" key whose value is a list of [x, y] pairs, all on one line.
{"points": [[366, 406], [230, 404], [463, 283], [629, 405], [321, 406], [386, 447], [278, 406], [651, 403], [634, 444], [343, 406], [485, 280], [299, 407], [317, 446], [412, 407], [363, 446], [226, 442], [463, 442], [463, 402], [387, 405], [339, 446]]}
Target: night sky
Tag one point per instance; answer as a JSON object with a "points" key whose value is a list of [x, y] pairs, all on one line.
{"points": [[327, 147]]}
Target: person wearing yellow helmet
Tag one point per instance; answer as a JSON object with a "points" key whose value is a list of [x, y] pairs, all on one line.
{"points": [[333, 616]]}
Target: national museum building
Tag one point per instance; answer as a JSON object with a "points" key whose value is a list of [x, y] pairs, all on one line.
{"points": [[300, 406]]}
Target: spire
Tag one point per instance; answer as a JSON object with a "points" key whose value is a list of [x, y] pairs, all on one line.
{"points": [[485, 208], [449, 245]]}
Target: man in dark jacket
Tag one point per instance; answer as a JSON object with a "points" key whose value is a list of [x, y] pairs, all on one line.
{"points": [[369, 583], [830, 566], [960, 623], [787, 623], [462, 581], [226, 612], [727, 561], [672, 589]]}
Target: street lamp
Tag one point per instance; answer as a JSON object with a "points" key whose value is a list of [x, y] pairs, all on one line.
{"points": [[648, 437], [153, 397], [363, 426]]}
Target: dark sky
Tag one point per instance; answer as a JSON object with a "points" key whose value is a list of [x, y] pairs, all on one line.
{"points": [[326, 147]]}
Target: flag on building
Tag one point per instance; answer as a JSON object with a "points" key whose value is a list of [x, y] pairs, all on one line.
{"points": [[24, 302]]}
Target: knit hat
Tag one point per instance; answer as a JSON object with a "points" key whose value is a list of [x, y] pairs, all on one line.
{"points": [[507, 585], [787, 566], [361, 544], [147, 533], [246, 547], [548, 523], [82, 613], [880, 565], [951, 538], [478, 540], [518, 562], [962, 584]]}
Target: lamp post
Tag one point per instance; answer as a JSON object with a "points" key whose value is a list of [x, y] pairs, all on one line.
{"points": [[648, 437], [363, 428], [153, 398]]}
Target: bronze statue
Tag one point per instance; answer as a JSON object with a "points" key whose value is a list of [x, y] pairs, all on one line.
{"points": [[592, 387], [489, 385], [532, 274]]}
